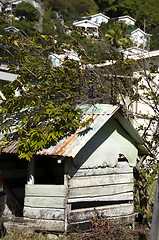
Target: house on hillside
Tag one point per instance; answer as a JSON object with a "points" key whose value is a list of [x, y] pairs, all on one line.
{"points": [[97, 18], [145, 109], [9, 5], [6, 77], [139, 37], [58, 59], [150, 58], [12, 29], [88, 26], [127, 19], [92, 168]]}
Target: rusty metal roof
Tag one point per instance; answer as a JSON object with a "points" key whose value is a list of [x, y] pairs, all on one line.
{"points": [[71, 145], [10, 147]]}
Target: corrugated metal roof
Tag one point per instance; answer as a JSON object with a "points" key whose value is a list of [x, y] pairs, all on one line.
{"points": [[70, 146], [10, 147]]}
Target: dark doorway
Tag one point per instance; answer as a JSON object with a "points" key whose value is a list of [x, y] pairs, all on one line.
{"points": [[49, 170]]}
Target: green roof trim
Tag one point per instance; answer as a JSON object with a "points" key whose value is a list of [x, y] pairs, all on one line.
{"points": [[130, 31], [133, 133]]}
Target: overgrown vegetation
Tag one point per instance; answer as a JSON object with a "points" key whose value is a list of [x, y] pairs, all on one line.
{"points": [[70, 9], [105, 229], [27, 11]]}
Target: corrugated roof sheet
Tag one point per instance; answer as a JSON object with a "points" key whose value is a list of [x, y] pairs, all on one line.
{"points": [[70, 146], [99, 114], [10, 147]]}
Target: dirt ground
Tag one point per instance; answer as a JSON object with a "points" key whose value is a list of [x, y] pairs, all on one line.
{"points": [[102, 230]]}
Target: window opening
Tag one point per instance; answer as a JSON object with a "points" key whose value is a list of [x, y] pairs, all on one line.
{"points": [[49, 170]]}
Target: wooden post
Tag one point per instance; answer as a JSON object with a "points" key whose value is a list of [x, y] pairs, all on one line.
{"points": [[154, 235], [67, 161], [31, 171]]}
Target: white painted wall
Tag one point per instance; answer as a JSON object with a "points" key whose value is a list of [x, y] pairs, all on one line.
{"points": [[104, 148], [127, 20], [87, 25], [58, 59], [98, 19], [139, 38], [143, 107]]}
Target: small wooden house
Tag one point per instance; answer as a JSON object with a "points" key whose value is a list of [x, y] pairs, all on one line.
{"points": [[91, 169]]}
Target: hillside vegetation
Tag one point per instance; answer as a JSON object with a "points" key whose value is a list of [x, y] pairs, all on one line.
{"points": [[144, 11]]}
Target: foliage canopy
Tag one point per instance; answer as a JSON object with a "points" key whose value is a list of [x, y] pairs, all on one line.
{"points": [[71, 9], [28, 11]]}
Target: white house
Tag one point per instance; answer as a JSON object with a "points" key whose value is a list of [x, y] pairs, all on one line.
{"points": [[97, 18], [149, 57], [92, 23], [127, 19], [88, 26], [139, 37], [12, 29], [58, 59], [144, 109], [10, 5]]}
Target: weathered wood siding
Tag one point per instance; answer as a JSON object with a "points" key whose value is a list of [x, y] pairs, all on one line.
{"points": [[101, 183], [115, 210], [124, 213], [46, 205], [102, 186]]}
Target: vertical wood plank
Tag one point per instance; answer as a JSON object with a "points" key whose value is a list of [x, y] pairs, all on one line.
{"points": [[31, 172], [67, 164]]}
